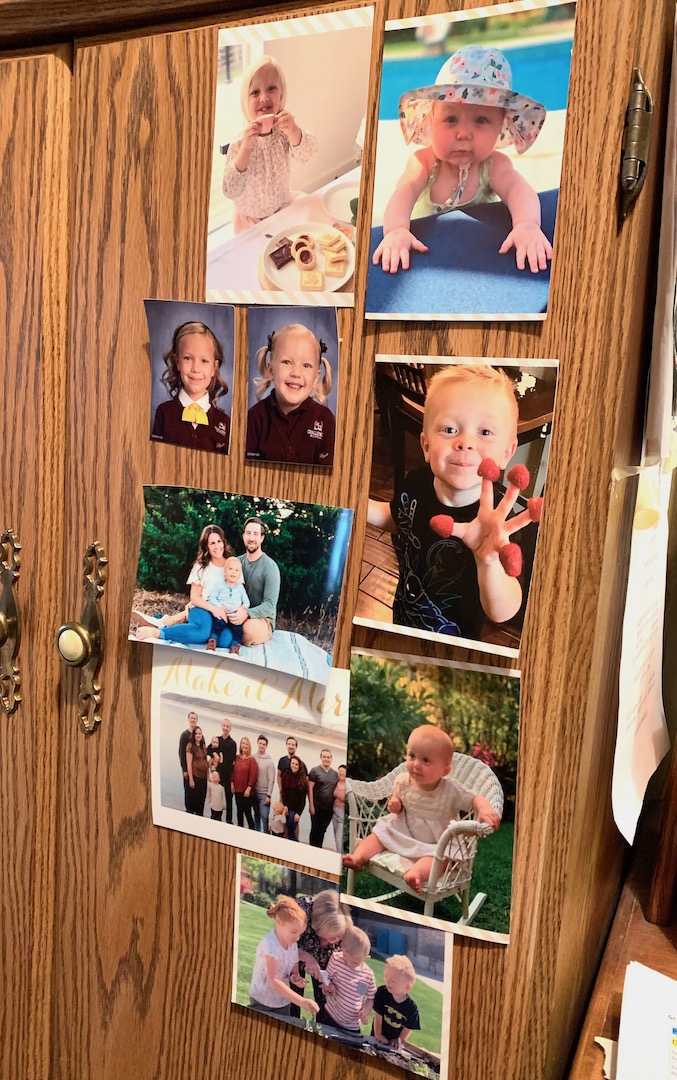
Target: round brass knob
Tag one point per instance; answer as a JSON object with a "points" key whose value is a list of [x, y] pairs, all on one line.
{"points": [[74, 644]]}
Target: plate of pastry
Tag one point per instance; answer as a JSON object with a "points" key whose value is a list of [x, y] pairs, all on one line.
{"points": [[311, 258]]}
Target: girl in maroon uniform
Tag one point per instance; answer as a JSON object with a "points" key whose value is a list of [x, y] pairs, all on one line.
{"points": [[292, 423], [191, 417]]}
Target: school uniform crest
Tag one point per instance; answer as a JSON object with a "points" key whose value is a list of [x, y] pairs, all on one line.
{"points": [[317, 430]]}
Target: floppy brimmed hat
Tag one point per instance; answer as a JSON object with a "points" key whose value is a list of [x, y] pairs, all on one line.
{"points": [[474, 76]]}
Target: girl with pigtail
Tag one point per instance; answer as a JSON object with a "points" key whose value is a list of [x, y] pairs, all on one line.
{"points": [[292, 423]]}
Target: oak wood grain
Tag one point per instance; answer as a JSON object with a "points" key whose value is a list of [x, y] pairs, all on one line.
{"points": [[143, 914], [34, 166]]}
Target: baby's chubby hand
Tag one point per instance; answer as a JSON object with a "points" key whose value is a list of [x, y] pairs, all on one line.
{"points": [[394, 805], [393, 251], [485, 812], [531, 245]]}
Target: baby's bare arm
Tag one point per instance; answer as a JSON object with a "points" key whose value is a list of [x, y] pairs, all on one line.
{"points": [[393, 251], [407, 190], [526, 236]]}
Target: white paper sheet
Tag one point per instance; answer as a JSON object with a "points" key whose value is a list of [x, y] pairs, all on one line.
{"points": [[659, 419], [642, 738], [647, 1039]]}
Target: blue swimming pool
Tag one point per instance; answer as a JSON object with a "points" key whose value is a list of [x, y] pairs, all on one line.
{"points": [[539, 71]]}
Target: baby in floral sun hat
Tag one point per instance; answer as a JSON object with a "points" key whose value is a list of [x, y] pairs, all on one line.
{"points": [[459, 123]]}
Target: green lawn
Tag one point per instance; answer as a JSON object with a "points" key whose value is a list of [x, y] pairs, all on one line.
{"points": [[492, 874], [255, 924]]}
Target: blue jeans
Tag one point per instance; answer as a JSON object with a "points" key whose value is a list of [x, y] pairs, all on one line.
{"points": [[194, 632], [226, 634], [292, 825], [261, 812]]}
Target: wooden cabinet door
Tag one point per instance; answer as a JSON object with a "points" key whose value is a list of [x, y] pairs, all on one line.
{"points": [[34, 135], [144, 917]]}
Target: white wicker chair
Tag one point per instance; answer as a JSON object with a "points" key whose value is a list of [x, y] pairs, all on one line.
{"points": [[367, 800]]}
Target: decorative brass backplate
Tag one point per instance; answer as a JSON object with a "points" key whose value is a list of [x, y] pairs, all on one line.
{"points": [[10, 623]]}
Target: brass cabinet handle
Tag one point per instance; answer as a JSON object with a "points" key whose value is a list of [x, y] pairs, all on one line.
{"points": [[10, 623], [81, 644]]}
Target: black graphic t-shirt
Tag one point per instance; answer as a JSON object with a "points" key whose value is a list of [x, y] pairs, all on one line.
{"points": [[395, 1015], [438, 588]]}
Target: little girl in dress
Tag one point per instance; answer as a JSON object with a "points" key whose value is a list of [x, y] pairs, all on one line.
{"points": [[424, 800], [256, 175]]}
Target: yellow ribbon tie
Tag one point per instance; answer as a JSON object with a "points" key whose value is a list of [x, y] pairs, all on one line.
{"points": [[194, 414]]}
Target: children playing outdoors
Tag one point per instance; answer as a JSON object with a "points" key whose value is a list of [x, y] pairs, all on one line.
{"points": [[228, 595], [459, 123], [292, 423], [395, 1013], [424, 800], [192, 417], [350, 989], [463, 561], [256, 174], [277, 962]]}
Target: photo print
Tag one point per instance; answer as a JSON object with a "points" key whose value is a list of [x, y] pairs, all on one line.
{"points": [[432, 772], [293, 385], [459, 461], [192, 348], [250, 758], [252, 579], [291, 99], [372, 982], [468, 162]]}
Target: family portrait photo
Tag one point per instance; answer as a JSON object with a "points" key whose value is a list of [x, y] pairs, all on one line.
{"points": [[192, 349], [252, 579], [432, 771], [471, 123], [291, 100], [374, 983], [255, 761], [460, 454], [293, 385]]}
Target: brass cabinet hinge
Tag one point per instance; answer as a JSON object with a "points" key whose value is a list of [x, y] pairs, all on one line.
{"points": [[636, 141]]}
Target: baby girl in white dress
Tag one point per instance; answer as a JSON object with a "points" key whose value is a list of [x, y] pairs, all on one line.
{"points": [[424, 800]]}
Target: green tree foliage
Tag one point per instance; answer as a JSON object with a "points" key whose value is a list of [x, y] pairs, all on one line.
{"points": [[382, 714], [308, 542]]}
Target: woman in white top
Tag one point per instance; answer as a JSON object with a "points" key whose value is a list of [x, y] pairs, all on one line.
{"points": [[207, 573]]}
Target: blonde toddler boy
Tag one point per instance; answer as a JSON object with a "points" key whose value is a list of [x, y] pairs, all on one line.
{"points": [[452, 524], [395, 1014], [350, 991]]}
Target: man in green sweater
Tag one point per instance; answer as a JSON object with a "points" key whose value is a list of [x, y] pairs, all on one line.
{"points": [[262, 581]]}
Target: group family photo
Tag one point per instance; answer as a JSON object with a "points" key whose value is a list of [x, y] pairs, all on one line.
{"points": [[256, 761], [258, 580], [370, 981]]}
